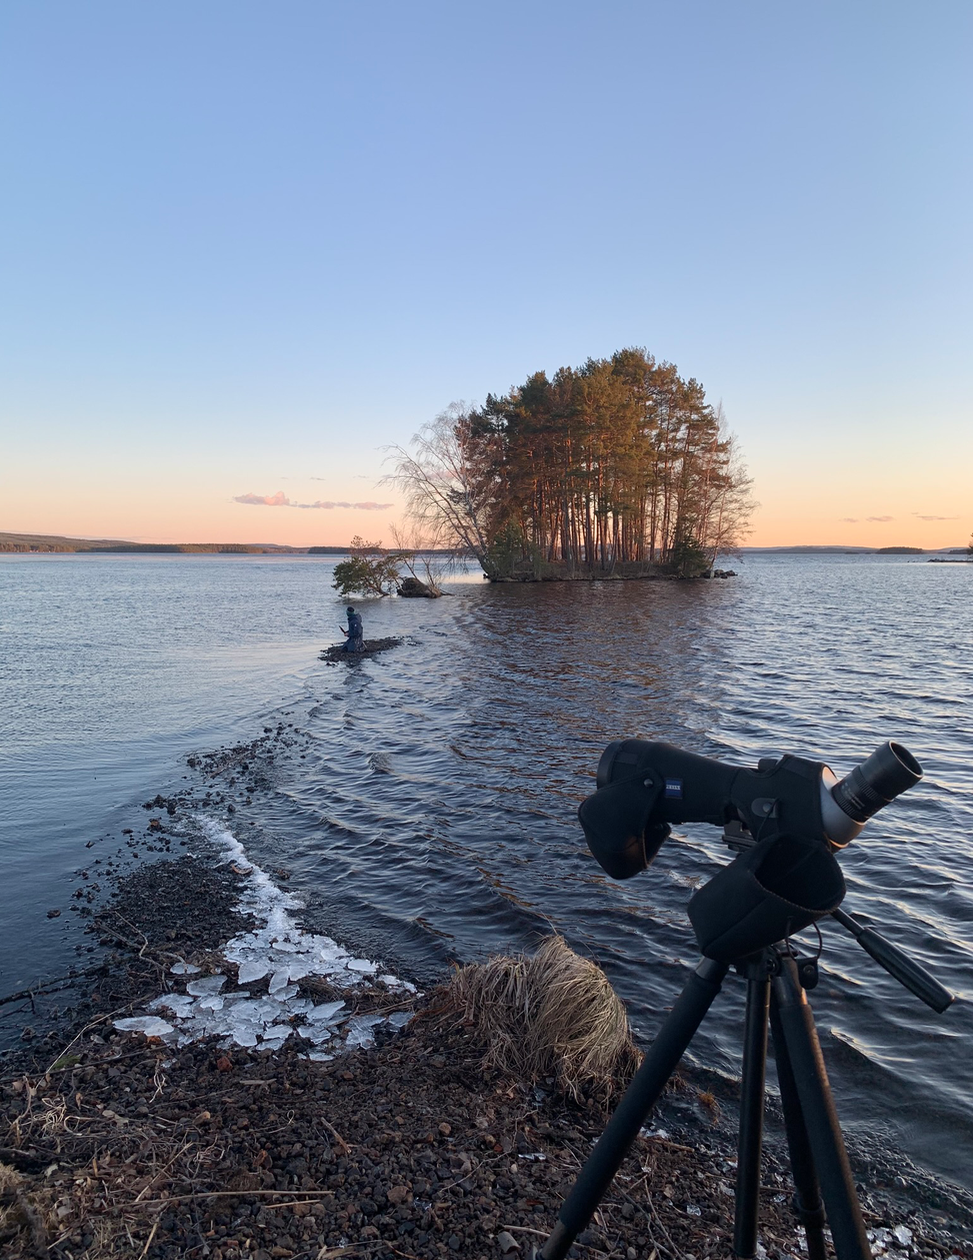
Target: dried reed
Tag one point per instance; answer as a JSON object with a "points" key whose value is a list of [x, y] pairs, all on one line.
{"points": [[552, 1014]]}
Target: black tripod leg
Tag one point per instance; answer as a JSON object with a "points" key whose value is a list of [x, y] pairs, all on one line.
{"points": [[751, 1116], [807, 1192], [819, 1116], [629, 1116]]}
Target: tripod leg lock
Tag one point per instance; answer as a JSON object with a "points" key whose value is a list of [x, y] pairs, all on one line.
{"points": [[812, 1218]]}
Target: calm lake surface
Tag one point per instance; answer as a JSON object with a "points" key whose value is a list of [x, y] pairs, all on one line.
{"points": [[427, 806]]}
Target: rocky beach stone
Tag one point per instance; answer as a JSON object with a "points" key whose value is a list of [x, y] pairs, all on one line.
{"points": [[412, 588]]}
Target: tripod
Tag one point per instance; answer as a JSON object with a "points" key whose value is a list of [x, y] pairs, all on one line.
{"points": [[776, 979]]}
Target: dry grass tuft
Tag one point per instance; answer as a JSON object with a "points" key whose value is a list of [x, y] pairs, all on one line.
{"points": [[549, 1015], [23, 1215]]}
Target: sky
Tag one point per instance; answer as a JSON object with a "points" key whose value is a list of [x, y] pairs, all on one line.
{"points": [[247, 247]]}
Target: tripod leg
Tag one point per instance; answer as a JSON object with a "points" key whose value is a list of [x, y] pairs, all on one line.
{"points": [[819, 1116], [751, 1116], [629, 1116], [807, 1192]]}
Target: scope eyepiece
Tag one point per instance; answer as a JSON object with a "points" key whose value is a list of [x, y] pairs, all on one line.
{"points": [[879, 779]]}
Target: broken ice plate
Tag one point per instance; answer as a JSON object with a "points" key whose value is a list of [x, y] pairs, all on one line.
{"points": [[151, 1025], [325, 1012], [206, 985], [275, 1036], [360, 1030], [315, 1032], [255, 969], [264, 1009], [180, 1004]]}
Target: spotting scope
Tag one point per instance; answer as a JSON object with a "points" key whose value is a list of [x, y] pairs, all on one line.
{"points": [[644, 786]]}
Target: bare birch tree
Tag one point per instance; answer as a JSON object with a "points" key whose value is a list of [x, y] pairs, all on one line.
{"points": [[450, 489]]}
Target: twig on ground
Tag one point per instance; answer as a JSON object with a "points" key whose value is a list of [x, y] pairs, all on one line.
{"points": [[148, 1241]]}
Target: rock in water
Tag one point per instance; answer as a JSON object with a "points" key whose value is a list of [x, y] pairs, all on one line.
{"points": [[412, 588]]}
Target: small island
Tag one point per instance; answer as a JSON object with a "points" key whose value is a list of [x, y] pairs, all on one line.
{"points": [[617, 469]]}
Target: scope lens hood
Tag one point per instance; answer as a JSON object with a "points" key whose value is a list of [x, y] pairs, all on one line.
{"points": [[766, 894]]}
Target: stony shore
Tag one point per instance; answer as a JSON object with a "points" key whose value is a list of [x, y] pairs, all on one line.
{"points": [[373, 647], [118, 1144]]}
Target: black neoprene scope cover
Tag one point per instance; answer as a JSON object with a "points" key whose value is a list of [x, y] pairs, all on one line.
{"points": [[766, 894]]}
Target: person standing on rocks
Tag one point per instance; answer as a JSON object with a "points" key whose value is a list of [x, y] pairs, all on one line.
{"points": [[355, 634]]}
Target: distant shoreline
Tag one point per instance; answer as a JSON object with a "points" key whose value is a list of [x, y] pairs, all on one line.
{"points": [[39, 544], [45, 544]]}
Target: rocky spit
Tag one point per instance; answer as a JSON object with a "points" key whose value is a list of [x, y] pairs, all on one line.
{"points": [[384, 1138], [373, 647]]}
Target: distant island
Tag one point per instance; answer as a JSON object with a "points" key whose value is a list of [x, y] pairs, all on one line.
{"points": [[854, 551]]}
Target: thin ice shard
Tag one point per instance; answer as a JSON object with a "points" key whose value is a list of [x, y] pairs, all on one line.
{"points": [[324, 1013], [253, 969], [360, 1031], [151, 1025], [206, 985]]}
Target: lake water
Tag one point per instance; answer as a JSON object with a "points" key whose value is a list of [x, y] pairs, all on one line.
{"points": [[426, 805]]}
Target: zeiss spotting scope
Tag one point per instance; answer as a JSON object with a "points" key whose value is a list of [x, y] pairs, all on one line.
{"points": [[787, 817], [644, 786]]}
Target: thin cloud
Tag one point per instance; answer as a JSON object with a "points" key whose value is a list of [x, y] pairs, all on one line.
{"points": [[280, 499], [361, 507], [880, 518], [266, 500], [935, 518], [850, 520]]}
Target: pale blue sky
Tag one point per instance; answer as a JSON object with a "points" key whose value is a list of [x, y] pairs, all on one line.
{"points": [[243, 246]]}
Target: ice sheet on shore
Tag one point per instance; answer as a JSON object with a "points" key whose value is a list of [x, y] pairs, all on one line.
{"points": [[281, 950]]}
